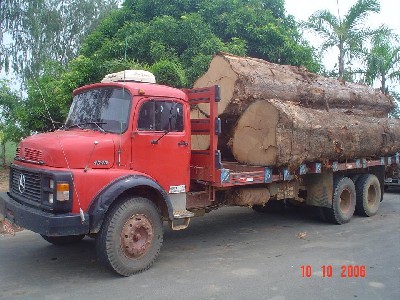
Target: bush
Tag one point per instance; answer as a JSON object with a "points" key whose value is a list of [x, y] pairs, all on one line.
{"points": [[169, 73]]}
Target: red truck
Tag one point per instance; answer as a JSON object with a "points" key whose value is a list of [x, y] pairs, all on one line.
{"points": [[123, 164]]}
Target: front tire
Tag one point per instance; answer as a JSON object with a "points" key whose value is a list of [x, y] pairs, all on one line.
{"points": [[131, 236], [343, 201], [368, 195]]}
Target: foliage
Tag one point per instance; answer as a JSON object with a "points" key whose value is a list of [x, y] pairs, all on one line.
{"points": [[169, 73], [383, 59], [175, 39], [396, 111], [9, 126], [38, 30], [7, 153], [348, 34], [190, 32], [10, 104]]}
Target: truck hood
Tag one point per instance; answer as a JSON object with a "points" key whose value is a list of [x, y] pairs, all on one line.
{"points": [[73, 149]]}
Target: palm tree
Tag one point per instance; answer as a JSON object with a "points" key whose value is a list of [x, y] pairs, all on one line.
{"points": [[348, 33], [383, 59]]}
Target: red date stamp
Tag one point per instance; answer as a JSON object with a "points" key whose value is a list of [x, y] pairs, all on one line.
{"points": [[346, 271]]}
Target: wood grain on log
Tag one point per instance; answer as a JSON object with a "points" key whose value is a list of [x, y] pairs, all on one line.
{"points": [[276, 132]]}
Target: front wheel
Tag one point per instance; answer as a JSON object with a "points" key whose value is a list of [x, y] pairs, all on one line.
{"points": [[131, 236], [343, 201]]}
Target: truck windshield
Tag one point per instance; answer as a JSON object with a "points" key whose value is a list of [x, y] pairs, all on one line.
{"points": [[104, 109]]}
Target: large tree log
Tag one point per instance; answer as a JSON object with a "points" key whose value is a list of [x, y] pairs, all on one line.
{"points": [[275, 132], [244, 80]]}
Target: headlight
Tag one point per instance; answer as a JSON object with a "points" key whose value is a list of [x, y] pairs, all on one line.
{"points": [[51, 198]]}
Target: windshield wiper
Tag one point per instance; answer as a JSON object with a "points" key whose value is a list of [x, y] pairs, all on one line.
{"points": [[79, 125], [71, 126], [96, 123]]}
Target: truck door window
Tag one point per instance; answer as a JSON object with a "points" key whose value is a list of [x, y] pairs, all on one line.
{"points": [[161, 116]]}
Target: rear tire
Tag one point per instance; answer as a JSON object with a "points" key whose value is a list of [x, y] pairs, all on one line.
{"points": [[368, 195], [63, 240], [131, 236], [343, 201]]}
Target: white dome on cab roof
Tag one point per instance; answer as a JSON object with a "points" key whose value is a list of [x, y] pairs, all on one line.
{"points": [[130, 75]]}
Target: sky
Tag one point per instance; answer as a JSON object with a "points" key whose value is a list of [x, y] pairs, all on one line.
{"points": [[302, 9]]}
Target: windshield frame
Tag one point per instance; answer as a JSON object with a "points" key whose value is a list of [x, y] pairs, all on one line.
{"points": [[89, 123]]}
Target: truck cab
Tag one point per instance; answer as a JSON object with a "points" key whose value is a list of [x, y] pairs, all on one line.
{"points": [[121, 138]]}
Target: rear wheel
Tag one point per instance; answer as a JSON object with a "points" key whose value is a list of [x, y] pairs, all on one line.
{"points": [[63, 240], [343, 201], [131, 236], [368, 195]]}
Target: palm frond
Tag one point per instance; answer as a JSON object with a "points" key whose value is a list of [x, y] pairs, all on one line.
{"points": [[359, 11], [395, 75], [323, 20]]}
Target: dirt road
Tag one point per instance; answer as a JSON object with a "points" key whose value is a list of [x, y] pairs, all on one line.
{"points": [[232, 253]]}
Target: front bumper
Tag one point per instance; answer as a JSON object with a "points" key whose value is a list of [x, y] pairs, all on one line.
{"points": [[392, 182], [41, 222]]}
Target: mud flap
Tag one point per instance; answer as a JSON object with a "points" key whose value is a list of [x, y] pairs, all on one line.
{"points": [[319, 189]]}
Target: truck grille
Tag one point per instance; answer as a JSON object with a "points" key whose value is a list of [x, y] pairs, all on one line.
{"points": [[26, 185], [33, 154], [29, 155]]}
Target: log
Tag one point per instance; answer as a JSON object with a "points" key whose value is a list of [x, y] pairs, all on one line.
{"points": [[244, 80], [275, 133]]}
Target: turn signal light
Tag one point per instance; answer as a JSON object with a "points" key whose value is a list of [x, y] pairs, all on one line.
{"points": [[62, 191]]}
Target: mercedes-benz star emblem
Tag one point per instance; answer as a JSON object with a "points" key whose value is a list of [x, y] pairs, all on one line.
{"points": [[21, 183]]}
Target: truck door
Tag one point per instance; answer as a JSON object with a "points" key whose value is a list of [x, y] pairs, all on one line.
{"points": [[160, 142]]}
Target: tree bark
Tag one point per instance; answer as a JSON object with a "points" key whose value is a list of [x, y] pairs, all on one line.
{"points": [[275, 132], [341, 61]]}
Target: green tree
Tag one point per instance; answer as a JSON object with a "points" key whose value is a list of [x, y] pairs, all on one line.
{"points": [[395, 113], [35, 31], [383, 59], [192, 31], [9, 125], [175, 39], [348, 34]]}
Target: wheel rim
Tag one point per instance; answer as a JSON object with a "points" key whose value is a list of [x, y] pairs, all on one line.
{"points": [[345, 201], [371, 196], [136, 236]]}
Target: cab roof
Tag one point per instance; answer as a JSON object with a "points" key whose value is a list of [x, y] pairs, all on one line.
{"points": [[138, 88]]}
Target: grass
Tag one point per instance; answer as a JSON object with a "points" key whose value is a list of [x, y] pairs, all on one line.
{"points": [[10, 152]]}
